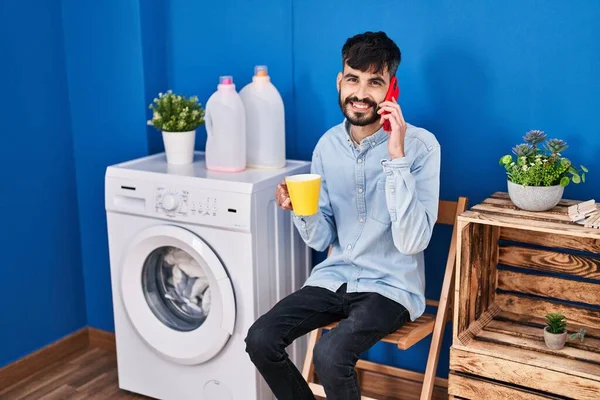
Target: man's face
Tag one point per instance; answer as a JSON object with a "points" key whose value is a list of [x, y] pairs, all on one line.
{"points": [[360, 93]]}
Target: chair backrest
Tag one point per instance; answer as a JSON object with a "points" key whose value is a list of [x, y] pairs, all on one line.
{"points": [[447, 210]]}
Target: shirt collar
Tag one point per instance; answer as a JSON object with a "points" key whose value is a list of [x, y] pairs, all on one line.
{"points": [[373, 140]]}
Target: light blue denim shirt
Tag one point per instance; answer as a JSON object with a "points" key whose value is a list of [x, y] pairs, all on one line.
{"points": [[378, 214]]}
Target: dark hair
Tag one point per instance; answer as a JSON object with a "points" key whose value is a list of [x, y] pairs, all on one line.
{"points": [[371, 51]]}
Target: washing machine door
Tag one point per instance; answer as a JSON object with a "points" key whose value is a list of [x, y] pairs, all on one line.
{"points": [[177, 294]]}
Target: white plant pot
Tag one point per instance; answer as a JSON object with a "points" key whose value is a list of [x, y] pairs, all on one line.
{"points": [[179, 147], [555, 341], [535, 198]]}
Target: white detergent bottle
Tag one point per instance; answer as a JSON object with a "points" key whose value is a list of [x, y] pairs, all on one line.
{"points": [[265, 121], [226, 129]]}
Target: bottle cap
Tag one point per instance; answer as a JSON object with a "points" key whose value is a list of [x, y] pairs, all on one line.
{"points": [[226, 80], [261, 70]]}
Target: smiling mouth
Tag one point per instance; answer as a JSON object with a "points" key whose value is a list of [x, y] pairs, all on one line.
{"points": [[360, 107]]}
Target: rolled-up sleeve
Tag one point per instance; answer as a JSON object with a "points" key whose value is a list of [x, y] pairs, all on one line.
{"points": [[412, 198]]}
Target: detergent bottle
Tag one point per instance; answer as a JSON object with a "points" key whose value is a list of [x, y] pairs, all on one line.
{"points": [[226, 129], [265, 121]]}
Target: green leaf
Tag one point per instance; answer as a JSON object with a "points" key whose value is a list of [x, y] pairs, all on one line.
{"points": [[576, 178], [584, 168], [564, 181], [573, 170], [507, 159], [583, 177], [565, 162], [555, 316], [556, 322]]}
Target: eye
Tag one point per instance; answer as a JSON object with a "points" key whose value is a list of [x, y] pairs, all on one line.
{"points": [[376, 83], [351, 79]]}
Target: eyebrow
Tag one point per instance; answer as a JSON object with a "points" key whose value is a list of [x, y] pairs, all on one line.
{"points": [[376, 79]]}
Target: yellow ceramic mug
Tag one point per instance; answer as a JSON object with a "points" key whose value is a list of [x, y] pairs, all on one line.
{"points": [[304, 190]]}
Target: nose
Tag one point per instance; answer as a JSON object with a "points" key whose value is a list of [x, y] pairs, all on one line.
{"points": [[362, 93]]}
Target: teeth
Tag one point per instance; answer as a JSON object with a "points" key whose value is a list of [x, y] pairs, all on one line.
{"points": [[360, 105]]}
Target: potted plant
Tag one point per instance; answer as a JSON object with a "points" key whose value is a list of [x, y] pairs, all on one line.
{"points": [[178, 118], [538, 175], [555, 332]]}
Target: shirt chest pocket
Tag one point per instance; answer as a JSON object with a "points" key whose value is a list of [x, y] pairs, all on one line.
{"points": [[378, 205]]}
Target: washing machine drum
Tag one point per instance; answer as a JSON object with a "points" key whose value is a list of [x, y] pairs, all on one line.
{"points": [[177, 294]]}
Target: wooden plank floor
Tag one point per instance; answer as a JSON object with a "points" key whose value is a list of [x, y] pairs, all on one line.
{"points": [[87, 374], [92, 374]]}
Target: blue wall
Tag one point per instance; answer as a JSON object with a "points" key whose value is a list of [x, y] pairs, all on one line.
{"points": [[230, 38], [477, 74], [119, 55], [42, 296], [105, 67]]}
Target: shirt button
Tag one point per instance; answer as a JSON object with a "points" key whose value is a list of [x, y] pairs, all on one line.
{"points": [[393, 190], [362, 220], [360, 190], [372, 143], [349, 246], [360, 160]]}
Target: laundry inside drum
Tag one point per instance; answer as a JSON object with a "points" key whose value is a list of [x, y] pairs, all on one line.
{"points": [[176, 288]]}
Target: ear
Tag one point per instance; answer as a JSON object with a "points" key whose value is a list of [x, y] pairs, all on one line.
{"points": [[339, 81]]}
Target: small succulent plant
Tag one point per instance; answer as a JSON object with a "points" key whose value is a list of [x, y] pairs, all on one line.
{"points": [[523, 150], [556, 322], [539, 162], [534, 137], [556, 146]]}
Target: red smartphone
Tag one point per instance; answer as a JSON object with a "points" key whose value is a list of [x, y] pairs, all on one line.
{"points": [[393, 91]]}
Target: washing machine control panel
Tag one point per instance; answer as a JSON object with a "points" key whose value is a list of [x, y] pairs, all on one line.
{"points": [[209, 207]]}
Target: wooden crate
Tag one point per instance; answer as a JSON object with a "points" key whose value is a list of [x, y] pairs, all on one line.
{"points": [[513, 267]]}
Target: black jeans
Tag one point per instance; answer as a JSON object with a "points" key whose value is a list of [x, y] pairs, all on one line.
{"points": [[365, 319]]}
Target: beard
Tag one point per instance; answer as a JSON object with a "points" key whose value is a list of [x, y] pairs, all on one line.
{"points": [[357, 118]]}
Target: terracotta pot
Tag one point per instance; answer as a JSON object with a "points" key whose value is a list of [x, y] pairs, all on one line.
{"points": [[555, 341]]}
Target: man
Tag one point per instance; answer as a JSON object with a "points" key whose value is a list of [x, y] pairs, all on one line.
{"points": [[377, 209]]}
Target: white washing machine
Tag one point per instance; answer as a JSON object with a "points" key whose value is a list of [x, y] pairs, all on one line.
{"points": [[196, 257]]}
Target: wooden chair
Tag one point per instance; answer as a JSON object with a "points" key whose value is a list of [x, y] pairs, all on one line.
{"points": [[412, 332]]}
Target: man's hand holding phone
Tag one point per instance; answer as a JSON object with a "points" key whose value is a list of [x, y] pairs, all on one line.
{"points": [[393, 120]]}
